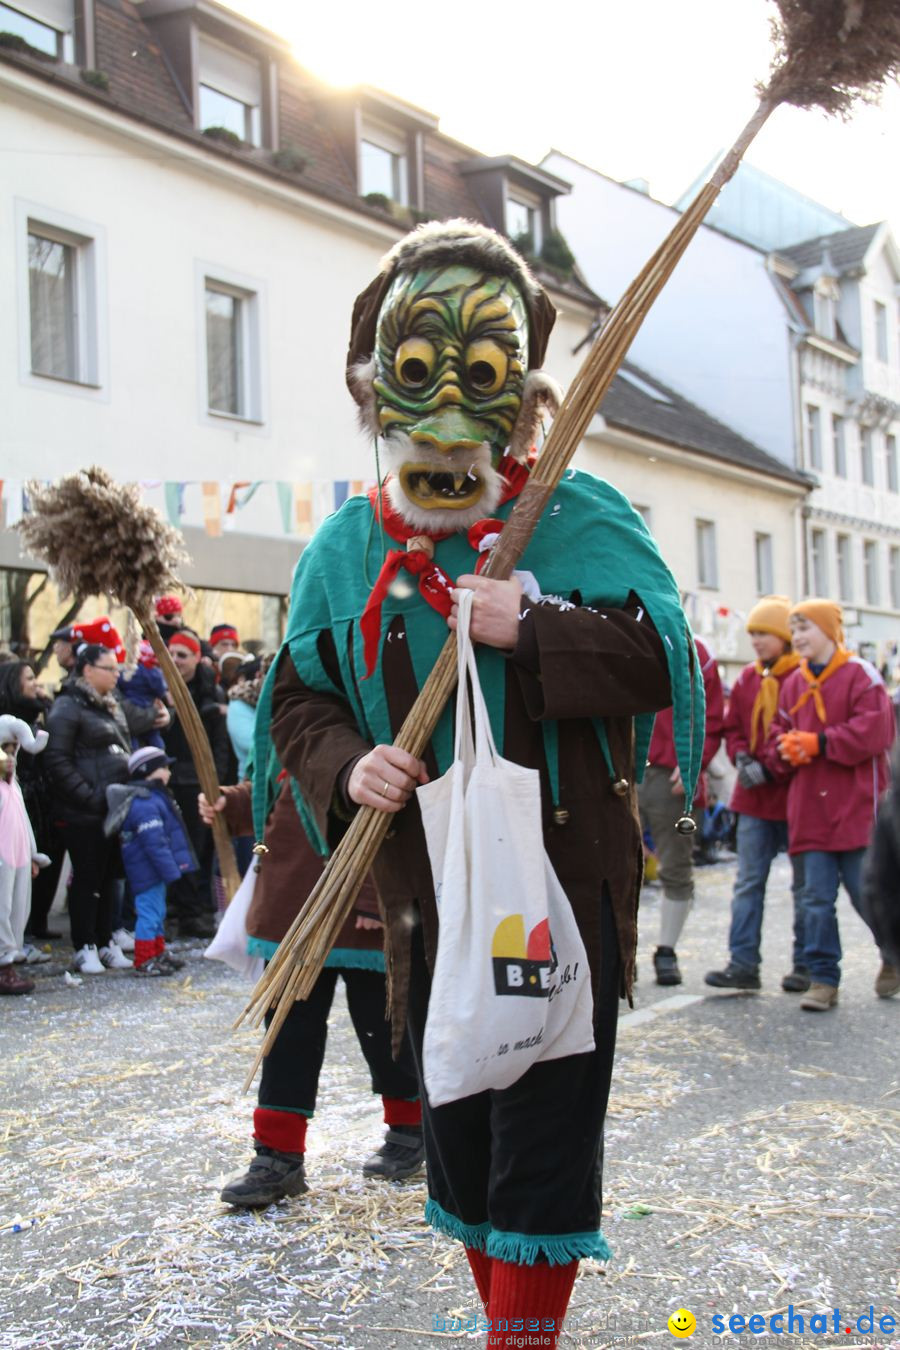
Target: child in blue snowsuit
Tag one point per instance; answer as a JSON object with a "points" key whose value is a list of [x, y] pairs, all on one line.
{"points": [[155, 851], [146, 686]]}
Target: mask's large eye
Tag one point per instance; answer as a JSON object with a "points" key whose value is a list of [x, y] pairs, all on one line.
{"points": [[487, 365], [414, 362]]}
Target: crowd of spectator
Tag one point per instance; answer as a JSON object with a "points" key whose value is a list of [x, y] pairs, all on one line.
{"points": [[74, 761]]}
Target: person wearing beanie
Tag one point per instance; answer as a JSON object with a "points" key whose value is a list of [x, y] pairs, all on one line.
{"points": [[223, 638], [190, 900], [758, 801], [156, 851], [169, 616], [290, 1071], [829, 740], [662, 801]]}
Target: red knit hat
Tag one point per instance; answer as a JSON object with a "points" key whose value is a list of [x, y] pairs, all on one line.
{"points": [[166, 605], [185, 639], [223, 632], [99, 633]]}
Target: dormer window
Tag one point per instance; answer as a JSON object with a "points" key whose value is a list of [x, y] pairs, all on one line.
{"points": [[384, 163], [825, 298], [523, 219], [230, 91], [46, 25]]}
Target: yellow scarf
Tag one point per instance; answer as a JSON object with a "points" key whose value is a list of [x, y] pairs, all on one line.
{"points": [[766, 700], [815, 682]]}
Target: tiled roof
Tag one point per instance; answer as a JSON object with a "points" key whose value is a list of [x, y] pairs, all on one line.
{"points": [[312, 117], [658, 411], [846, 248]]}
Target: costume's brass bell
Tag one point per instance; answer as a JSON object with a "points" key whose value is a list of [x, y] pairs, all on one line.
{"points": [[621, 786], [686, 825], [259, 849], [560, 816], [421, 542]]}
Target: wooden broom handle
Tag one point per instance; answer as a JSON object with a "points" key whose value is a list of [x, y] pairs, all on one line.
{"points": [[198, 742]]}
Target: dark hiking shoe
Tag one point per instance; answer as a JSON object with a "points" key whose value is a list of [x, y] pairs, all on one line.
{"points": [[401, 1154], [887, 981], [167, 959], [271, 1176], [732, 977], [665, 963], [11, 982], [797, 982]]}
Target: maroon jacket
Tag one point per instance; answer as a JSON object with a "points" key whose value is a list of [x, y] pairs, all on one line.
{"points": [[768, 802], [832, 800], [662, 743]]}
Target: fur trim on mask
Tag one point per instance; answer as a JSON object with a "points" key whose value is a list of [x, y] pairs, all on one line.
{"points": [[540, 393], [463, 243], [14, 729], [399, 449], [361, 379]]}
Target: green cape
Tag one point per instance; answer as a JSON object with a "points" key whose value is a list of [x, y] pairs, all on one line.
{"points": [[589, 539]]}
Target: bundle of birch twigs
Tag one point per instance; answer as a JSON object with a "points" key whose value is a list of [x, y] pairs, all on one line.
{"points": [[829, 54]]}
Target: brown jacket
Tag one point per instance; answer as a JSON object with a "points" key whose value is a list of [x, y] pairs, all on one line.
{"points": [[570, 665], [289, 871]]}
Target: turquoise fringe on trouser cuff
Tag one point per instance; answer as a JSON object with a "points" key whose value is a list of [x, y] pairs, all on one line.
{"points": [[557, 1249], [339, 958], [470, 1234]]}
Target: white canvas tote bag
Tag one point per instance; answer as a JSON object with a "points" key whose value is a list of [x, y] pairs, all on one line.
{"points": [[230, 942], [511, 981]]}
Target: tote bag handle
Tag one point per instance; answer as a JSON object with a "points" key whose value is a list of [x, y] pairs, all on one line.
{"points": [[475, 723]]}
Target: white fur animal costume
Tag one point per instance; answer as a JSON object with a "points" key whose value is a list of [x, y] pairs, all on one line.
{"points": [[18, 849]]}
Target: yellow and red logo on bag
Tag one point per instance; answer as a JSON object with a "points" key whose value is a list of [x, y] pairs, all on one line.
{"points": [[522, 967]]}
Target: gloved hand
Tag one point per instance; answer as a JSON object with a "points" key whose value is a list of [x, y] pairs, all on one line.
{"points": [[750, 773], [798, 747]]}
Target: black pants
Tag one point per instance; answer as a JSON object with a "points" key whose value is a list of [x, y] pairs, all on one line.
{"points": [[526, 1159], [290, 1073], [191, 896], [96, 868], [43, 887]]}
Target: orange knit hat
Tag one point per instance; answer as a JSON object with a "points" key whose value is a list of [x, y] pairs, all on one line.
{"points": [[825, 614], [770, 615]]}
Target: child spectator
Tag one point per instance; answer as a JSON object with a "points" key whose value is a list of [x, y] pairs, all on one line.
{"points": [[19, 858], [830, 738], [759, 802], [155, 851], [146, 687]]}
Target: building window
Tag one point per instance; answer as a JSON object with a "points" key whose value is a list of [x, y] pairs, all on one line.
{"points": [[866, 457], [707, 561], [881, 338], [894, 574], [844, 568], [47, 25], [814, 436], [232, 351], [523, 220], [230, 89], [824, 312], [870, 571], [818, 562], [890, 463], [839, 444], [384, 164], [765, 572], [62, 304]]}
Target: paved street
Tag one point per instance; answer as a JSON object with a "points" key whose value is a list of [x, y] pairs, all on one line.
{"points": [[751, 1163]]}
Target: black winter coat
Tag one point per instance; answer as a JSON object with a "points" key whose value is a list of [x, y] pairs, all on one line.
{"points": [[881, 875], [88, 750], [210, 702]]}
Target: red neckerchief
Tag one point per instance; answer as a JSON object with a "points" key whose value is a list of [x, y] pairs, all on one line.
{"points": [[435, 586]]}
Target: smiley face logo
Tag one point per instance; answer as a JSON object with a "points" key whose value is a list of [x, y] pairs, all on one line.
{"points": [[682, 1323]]}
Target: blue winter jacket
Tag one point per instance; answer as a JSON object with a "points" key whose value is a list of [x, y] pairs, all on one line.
{"points": [[155, 845]]}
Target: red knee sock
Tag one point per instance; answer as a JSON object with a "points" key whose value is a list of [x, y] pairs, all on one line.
{"points": [[144, 951], [540, 1291], [285, 1131], [480, 1264], [160, 943], [400, 1112]]}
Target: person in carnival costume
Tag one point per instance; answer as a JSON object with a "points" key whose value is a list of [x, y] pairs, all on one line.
{"points": [[830, 738], [19, 855], [759, 803], [443, 363]]}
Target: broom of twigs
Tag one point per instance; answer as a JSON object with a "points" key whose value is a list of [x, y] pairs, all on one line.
{"points": [[829, 54], [98, 538]]}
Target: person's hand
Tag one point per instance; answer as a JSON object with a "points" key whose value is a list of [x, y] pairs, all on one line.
{"points": [[34, 870], [365, 921], [208, 813], [495, 610], [163, 716], [798, 747], [750, 773], [675, 780], [385, 778]]}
